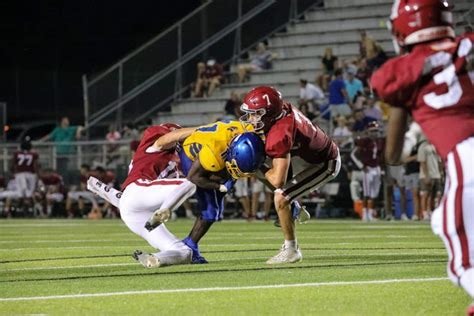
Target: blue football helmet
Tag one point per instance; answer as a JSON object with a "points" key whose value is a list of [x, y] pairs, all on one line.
{"points": [[245, 155]]}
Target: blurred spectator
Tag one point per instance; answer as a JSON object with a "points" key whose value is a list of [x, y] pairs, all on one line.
{"points": [[214, 75], [363, 72], [394, 178], [209, 76], [371, 50], [200, 85], [341, 134], [51, 188], [135, 143], [79, 194], [412, 181], [430, 178], [306, 111], [10, 194], [130, 132], [372, 110], [242, 194], [353, 85], [361, 121], [310, 95], [113, 135], [338, 98], [232, 106], [329, 65], [64, 133], [112, 150], [349, 66], [260, 61], [257, 189]]}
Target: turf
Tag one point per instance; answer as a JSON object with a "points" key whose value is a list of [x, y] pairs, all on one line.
{"points": [[349, 268]]}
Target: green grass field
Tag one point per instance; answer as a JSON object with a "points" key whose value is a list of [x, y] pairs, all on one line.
{"points": [[349, 268]]}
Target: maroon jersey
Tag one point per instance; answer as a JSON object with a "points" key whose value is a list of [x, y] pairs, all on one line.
{"points": [[154, 165], [53, 183], [370, 151], [25, 161], [435, 83], [52, 179], [83, 179], [295, 134], [213, 71]]}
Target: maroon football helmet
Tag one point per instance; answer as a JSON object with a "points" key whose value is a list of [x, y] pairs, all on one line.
{"points": [[171, 126], [262, 107], [418, 21]]}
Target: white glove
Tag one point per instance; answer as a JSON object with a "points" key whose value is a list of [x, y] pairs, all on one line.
{"points": [[222, 188]]}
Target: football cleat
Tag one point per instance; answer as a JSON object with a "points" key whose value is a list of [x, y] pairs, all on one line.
{"points": [[159, 217], [286, 255], [300, 214], [146, 259], [196, 257]]}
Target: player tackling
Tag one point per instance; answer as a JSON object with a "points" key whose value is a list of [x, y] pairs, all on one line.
{"points": [[296, 146]]}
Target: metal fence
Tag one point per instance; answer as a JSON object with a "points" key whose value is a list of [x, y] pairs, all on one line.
{"points": [[160, 71]]}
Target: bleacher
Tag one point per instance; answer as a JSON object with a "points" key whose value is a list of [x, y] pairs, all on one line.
{"points": [[299, 49]]}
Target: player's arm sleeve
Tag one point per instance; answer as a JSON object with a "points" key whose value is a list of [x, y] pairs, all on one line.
{"points": [[279, 145], [170, 139]]}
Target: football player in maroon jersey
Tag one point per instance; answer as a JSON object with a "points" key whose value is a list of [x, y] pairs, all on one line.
{"points": [[25, 168], [433, 81], [368, 156], [51, 189], [289, 134], [154, 181]]}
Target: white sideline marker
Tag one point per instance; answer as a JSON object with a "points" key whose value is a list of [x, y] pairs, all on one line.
{"points": [[213, 289]]}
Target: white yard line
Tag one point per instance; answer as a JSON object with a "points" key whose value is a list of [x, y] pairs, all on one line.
{"points": [[215, 289]]}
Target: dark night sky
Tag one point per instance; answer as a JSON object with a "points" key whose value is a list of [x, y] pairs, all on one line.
{"points": [[47, 45]]}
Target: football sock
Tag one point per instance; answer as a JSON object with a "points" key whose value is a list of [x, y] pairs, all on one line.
{"points": [[467, 281], [291, 244]]}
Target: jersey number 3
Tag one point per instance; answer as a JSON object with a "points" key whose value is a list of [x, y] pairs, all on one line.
{"points": [[447, 76]]}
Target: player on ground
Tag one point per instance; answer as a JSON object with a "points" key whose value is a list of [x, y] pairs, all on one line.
{"points": [[154, 182], [289, 134], [433, 81], [213, 156]]}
